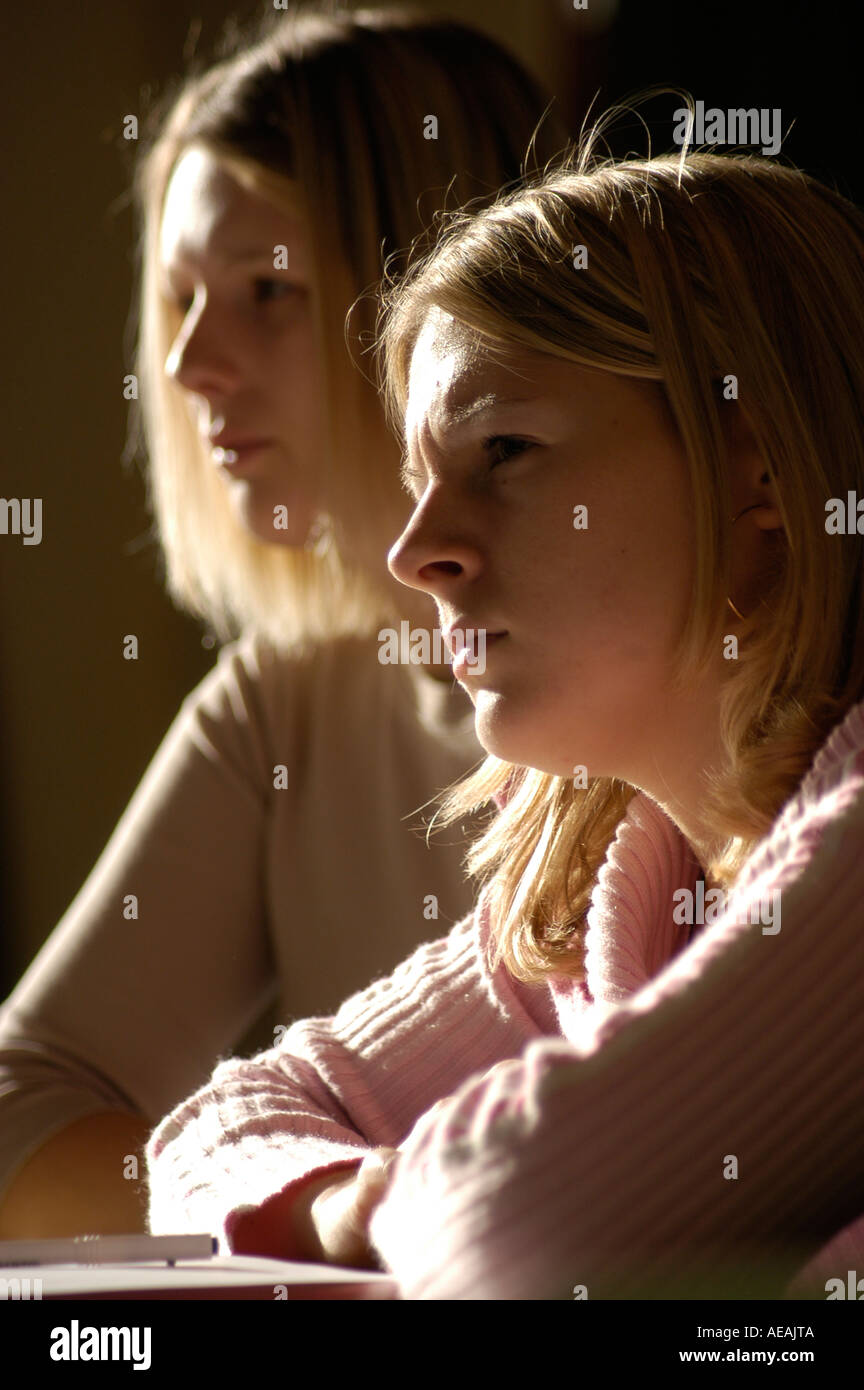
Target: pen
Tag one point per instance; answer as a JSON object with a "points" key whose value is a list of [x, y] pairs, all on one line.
{"points": [[97, 1250]]}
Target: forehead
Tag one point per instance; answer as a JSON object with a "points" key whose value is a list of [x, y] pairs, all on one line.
{"points": [[454, 373], [207, 213]]}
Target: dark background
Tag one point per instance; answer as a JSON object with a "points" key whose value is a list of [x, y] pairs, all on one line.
{"points": [[78, 724]]}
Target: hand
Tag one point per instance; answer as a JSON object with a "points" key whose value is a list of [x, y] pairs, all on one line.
{"points": [[341, 1212]]}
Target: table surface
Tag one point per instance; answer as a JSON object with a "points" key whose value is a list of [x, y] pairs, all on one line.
{"points": [[220, 1277]]}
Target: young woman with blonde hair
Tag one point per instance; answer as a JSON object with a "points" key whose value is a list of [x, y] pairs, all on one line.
{"points": [[629, 393], [271, 856]]}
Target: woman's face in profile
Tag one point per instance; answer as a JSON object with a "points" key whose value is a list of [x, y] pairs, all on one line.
{"points": [[586, 604], [245, 353]]}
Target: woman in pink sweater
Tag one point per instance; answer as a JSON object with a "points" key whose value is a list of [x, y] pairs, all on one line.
{"points": [[632, 405]]}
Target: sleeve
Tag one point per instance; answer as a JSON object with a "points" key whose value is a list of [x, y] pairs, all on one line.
{"points": [[335, 1087], [162, 960], [702, 1139]]}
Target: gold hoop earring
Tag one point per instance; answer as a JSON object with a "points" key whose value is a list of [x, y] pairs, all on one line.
{"points": [[737, 613], [751, 508]]}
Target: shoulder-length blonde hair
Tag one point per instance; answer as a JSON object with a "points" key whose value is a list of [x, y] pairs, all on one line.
{"points": [[700, 266], [363, 123]]}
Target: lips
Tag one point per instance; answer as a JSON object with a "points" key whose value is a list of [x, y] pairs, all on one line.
{"points": [[467, 644], [234, 451], [235, 442], [464, 626]]}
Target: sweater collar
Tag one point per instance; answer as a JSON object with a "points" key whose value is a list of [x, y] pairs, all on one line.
{"points": [[630, 931]]}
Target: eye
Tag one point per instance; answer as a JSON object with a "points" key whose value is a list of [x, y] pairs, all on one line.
{"points": [[412, 480], [180, 303], [501, 447], [266, 291]]}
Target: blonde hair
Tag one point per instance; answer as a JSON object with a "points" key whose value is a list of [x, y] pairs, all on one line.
{"points": [[701, 266], [324, 114]]}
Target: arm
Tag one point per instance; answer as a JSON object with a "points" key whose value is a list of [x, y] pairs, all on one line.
{"points": [[91, 1155], [234, 1157], [611, 1164], [116, 1014]]}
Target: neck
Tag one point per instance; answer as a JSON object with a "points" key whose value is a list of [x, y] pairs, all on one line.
{"points": [[685, 747]]}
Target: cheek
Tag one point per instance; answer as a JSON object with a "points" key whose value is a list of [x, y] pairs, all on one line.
{"points": [[609, 609], [293, 374]]}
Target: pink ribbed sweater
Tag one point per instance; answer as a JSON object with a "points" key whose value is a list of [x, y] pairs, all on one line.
{"points": [[690, 1123]]}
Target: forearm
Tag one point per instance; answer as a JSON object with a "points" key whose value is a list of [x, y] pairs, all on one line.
{"points": [[333, 1089], [81, 1181]]}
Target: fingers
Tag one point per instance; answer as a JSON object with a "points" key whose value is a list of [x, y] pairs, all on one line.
{"points": [[383, 1157], [342, 1212], [373, 1180]]}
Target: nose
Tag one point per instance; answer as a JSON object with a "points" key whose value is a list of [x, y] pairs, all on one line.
{"points": [[435, 552], [202, 359]]}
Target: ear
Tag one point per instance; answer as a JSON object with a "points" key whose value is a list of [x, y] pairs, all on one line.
{"points": [[751, 479], [767, 516]]}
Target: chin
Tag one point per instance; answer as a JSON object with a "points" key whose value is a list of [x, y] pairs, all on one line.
{"points": [[515, 737], [255, 514]]}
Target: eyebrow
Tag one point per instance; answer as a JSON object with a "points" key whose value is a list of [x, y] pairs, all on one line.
{"points": [[241, 256], [485, 403], [462, 416]]}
